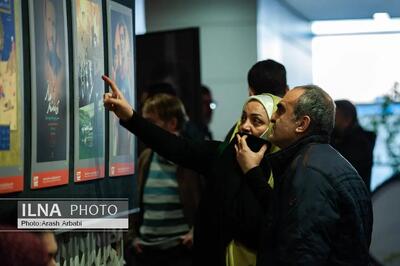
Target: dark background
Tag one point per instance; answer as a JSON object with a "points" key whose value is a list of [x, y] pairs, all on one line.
{"points": [[174, 57]]}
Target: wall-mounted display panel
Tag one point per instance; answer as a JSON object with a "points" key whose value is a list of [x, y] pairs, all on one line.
{"points": [[11, 98], [121, 52], [50, 93], [89, 116]]}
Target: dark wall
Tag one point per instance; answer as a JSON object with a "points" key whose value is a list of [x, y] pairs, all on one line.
{"points": [[173, 57]]}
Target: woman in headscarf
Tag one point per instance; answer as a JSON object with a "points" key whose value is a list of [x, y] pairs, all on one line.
{"points": [[229, 209]]}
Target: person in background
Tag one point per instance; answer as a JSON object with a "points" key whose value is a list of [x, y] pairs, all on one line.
{"points": [[156, 88], [208, 106], [352, 141], [168, 194], [50, 245], [266, 76], [21, 248], [320, 211], [189, 128]]}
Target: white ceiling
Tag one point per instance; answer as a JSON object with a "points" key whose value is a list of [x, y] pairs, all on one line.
{"points": [[343, 9]]}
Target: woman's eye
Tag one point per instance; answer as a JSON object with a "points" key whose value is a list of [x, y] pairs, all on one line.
{"points": [[257, 121]]}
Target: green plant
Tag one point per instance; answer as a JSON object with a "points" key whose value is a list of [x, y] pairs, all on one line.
{"points": [[389, 120]]}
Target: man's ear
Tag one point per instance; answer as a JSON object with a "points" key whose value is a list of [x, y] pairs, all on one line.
{"points": [[303, 124]]}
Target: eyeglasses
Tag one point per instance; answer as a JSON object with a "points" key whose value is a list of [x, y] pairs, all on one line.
{"points": [[213, 105]]}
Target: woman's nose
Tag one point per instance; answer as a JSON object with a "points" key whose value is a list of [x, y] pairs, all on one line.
{"points": [[245, 127]]}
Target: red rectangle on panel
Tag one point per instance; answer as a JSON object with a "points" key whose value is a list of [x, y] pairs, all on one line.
{"points": [[49, 179], [85, 174], [118, 169], [11, 184]]}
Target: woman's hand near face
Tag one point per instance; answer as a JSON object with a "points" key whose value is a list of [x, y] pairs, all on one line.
{"points": [[246, 158]]}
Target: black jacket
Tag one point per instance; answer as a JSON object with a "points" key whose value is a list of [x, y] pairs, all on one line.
{"points": [[319, 212], [228, 208], [357, 146]]}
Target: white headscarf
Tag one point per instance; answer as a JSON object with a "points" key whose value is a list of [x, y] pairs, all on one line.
{"points": [[266, 101]]}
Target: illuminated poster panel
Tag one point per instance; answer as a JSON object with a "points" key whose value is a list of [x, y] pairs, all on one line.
{"points": [[50, 97], [11, 98], [89, 89], [121, 66]]}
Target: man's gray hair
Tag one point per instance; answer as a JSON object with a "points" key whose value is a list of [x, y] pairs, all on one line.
{"points": [[319, 106]]}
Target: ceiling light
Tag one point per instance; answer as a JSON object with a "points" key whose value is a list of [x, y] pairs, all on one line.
{"points": [[381, 16]]}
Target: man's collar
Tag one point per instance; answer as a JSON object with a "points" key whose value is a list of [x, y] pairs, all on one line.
{"points": [[282, 159]]}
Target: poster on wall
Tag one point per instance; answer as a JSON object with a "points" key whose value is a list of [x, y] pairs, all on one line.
{"points": [[11, 98], [50, 97], [89, 89], [121, 66]]}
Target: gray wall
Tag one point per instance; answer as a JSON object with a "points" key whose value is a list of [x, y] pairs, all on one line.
{"points": [[285, 36], [228, 47], [234, 34]]}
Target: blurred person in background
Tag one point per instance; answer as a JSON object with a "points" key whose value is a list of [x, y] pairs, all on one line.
{"points": [[352, 141], [168, 194], [21, 249], [267, 76], [49, 243], [189, 128], [208, 106]]}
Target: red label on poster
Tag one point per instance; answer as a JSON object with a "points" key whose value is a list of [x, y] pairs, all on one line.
{"points": [[85, 174], [11, 184], [49, 179], [118, 169]]}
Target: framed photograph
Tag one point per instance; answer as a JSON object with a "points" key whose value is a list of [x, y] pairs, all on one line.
{"points": [[121, 67], [11, 98], [89, 121], [50, 93]]}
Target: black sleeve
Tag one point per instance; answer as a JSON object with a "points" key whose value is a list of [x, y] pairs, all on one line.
{"points": [[257, 178], [195, 155]]}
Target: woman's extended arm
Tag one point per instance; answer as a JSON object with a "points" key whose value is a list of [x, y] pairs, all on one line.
{"points": [[196, 155]]}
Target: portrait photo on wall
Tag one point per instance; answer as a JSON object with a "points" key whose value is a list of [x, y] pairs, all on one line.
{"points": [[50, 95], [121, 66], [89, 89], [11, 98]]}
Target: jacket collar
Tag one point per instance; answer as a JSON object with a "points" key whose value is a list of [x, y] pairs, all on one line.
{"points": [[282, 159]]}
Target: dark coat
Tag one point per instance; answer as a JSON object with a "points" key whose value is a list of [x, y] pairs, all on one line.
{"points": [[357, 146], [319, 212], [228, 209]]}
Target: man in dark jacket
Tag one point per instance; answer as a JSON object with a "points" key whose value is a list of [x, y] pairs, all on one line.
{"points": [[320, 211]]}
